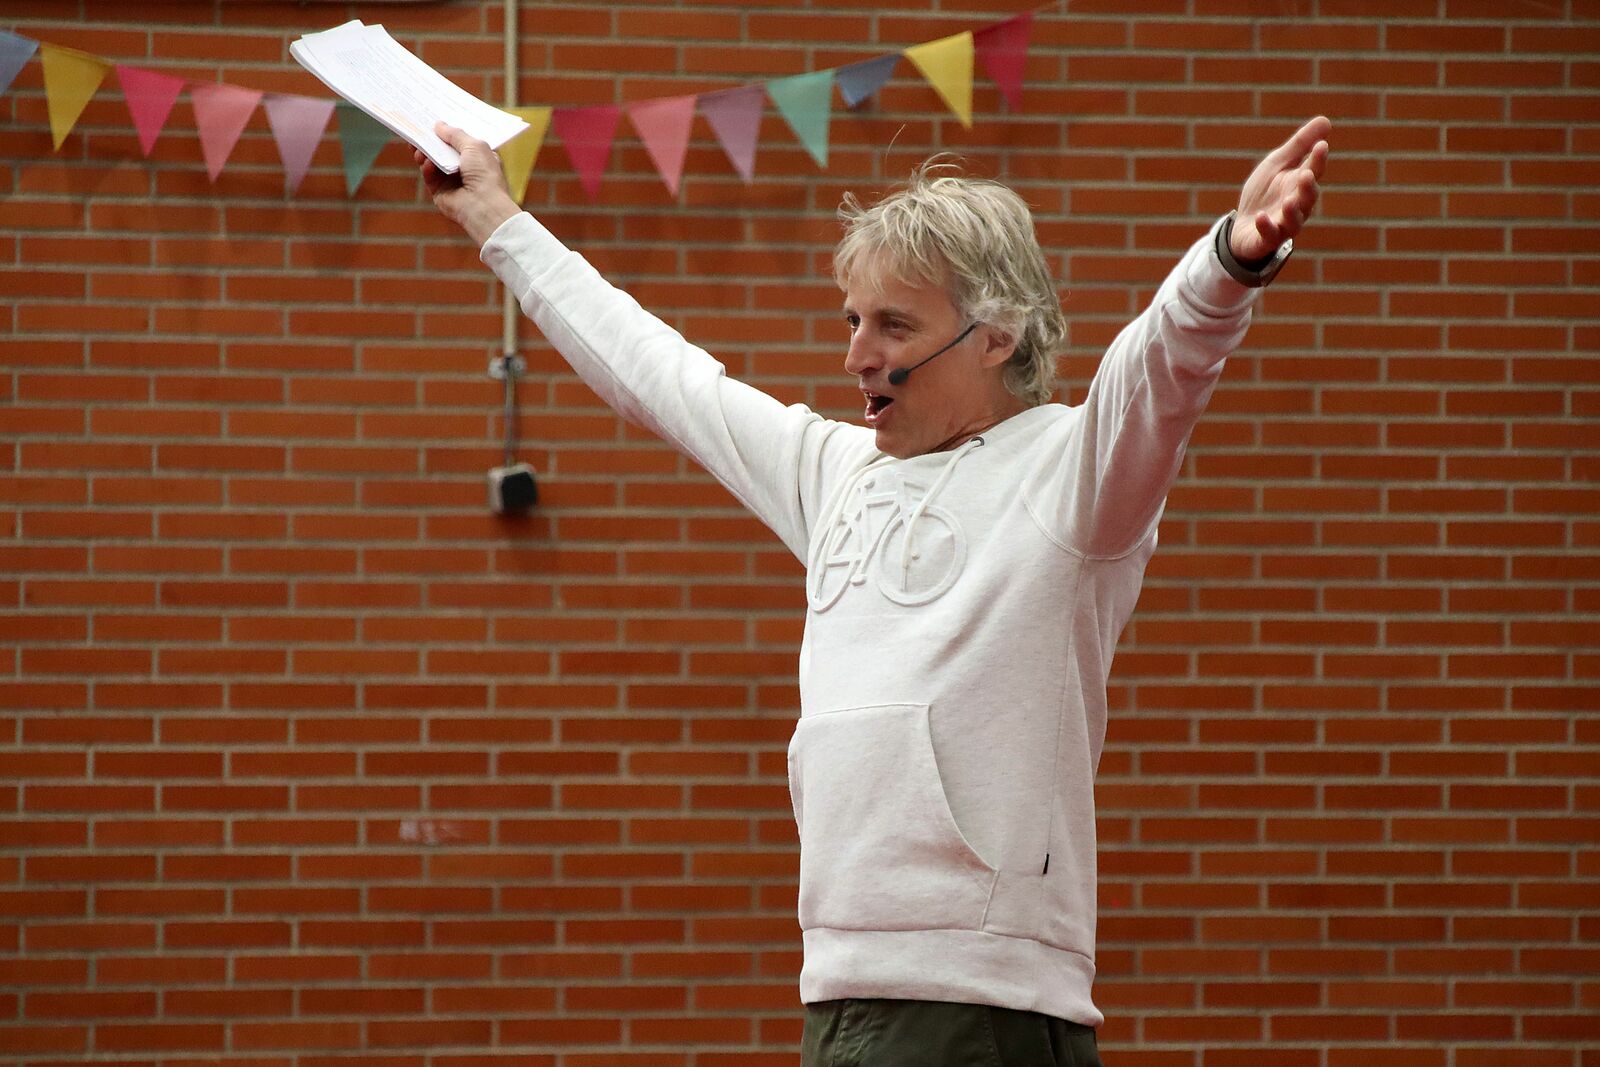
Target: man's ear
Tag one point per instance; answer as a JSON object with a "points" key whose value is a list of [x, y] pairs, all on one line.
{"points": [[997, 346]]}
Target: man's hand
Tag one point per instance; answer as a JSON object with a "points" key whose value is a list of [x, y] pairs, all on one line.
{"points": [[1281, 193], [476, 198]]}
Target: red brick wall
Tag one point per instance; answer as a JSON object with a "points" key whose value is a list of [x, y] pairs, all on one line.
{"points": [[310, 760]]}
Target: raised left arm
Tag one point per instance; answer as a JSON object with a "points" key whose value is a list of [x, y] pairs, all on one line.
{"points": [[1158, 375]]}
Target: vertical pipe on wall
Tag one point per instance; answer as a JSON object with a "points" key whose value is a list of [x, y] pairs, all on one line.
{"points": [[508, 306]]}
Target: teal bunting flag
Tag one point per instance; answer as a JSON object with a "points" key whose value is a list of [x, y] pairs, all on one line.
{"points": [[362, 137], [806, 103]]}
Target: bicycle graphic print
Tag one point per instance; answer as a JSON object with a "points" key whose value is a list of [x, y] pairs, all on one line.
{"points": [[870, 540]]}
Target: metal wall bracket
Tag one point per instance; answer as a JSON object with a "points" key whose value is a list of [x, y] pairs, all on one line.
{"points": [[497, 366]]}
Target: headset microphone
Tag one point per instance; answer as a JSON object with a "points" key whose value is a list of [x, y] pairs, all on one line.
{"points": [[900, 374]]}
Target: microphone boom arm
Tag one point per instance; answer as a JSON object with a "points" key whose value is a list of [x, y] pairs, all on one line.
{"points": [[900, 374]]}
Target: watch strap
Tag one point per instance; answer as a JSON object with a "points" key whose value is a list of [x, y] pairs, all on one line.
{"points": [[1253, 274]]}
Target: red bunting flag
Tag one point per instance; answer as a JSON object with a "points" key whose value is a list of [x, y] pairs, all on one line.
{"points": [[150, 96], [1003, 51], [588, 132]]}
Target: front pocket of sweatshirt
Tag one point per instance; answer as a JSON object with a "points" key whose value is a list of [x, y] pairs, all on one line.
{"points": [[879, 847]]}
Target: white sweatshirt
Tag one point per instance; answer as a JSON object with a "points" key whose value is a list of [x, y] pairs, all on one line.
{"points": [[963, 611]]}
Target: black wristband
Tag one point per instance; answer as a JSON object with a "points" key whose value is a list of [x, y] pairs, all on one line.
{"points": [[1252, 273]]}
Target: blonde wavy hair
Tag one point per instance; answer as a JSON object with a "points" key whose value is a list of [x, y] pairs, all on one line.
{"points": [[974, 238]]}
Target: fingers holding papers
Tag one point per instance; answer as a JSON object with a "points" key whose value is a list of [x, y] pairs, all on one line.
{"points": [[476, 197]]}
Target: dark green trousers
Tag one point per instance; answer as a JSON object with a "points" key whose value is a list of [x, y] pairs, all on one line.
{"points": [[925, 1033]]}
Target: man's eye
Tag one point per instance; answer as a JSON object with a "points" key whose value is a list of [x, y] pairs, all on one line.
{"points": [[853, 322]]}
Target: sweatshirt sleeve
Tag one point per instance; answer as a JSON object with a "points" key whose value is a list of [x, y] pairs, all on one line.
{"points": [[774, 459], [1102, 491]]}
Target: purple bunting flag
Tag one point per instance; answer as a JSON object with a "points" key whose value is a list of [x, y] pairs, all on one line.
{"points": [[298, 123], [735, 116]]}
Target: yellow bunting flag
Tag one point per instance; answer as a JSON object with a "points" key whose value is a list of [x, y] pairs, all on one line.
{"points": [[70, 79], [518, 154], [947, 64]]}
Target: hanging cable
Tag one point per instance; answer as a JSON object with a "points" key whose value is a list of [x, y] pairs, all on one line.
{"points": [[512, 487]]}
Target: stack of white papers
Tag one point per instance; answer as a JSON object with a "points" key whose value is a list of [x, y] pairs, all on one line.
{"points": [[377, 74]]}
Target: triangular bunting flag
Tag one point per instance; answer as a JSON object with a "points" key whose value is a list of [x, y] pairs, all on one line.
{"points": [[361, 137], [588, 132], [735, 117], [150, 96], [663, 126], [518, 154], [1003, 51], [15, 51], [70, 79], [220, 112], [298, 123], [806, 101], [858, 81], [947, 64]]}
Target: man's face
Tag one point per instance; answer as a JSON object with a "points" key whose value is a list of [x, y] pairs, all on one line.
{"points": [[896, 324]]}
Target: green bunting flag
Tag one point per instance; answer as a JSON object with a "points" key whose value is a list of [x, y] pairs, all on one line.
{"points": [[806, 103], [362, 137]]}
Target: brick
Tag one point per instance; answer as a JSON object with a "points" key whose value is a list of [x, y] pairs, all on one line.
{"points": [[232, 1003], [89, 937]]}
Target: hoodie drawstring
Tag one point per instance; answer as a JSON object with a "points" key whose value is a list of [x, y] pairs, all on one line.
{"points": [[819, 545], [906, 553]]}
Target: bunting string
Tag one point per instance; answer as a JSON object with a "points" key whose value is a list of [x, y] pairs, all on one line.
{"points": [[299, 123]]}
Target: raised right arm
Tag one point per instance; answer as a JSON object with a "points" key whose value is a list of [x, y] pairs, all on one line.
{"points": [[778, 461]]}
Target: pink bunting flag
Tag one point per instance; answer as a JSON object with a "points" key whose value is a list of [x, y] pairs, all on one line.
{"points": [[298, 123], [220, 112], [735, 116], [150, 96], [663, 126], [588, 132], [1003, 51]]}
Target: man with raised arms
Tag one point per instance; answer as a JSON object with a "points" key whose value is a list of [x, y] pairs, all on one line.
{"points": [[972, 554]]}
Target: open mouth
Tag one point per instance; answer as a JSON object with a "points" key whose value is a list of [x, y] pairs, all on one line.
{"points": [[876, 403]]}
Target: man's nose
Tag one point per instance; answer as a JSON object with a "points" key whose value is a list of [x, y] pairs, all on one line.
{"points": [[862, 356]]}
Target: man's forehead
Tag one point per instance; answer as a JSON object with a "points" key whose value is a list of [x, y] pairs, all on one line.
{"points": [[884, 293], [876, 306]]}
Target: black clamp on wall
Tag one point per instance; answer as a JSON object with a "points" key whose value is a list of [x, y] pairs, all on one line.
{"points": [[513, 490]]}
